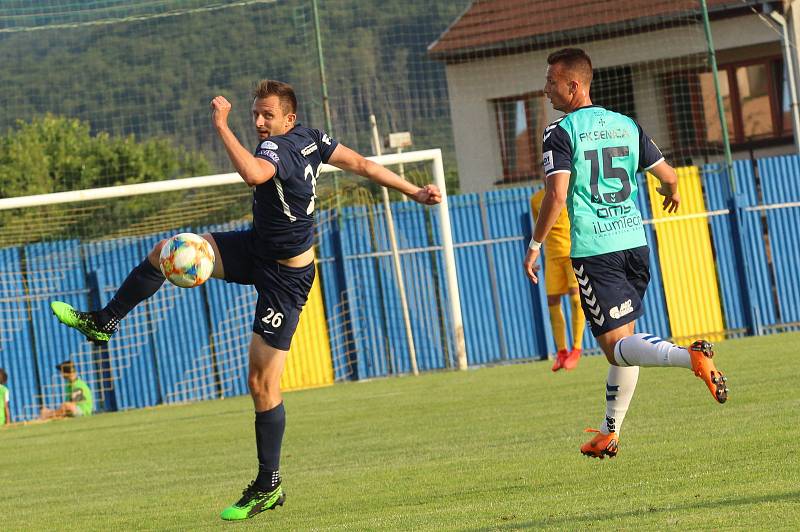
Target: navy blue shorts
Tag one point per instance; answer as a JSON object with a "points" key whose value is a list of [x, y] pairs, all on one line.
{"points": [[612, 286], [282, 290]]}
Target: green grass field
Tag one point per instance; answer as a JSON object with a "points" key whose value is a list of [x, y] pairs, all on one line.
{"points": [[489, 449]]}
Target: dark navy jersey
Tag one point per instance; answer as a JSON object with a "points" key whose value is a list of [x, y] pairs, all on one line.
{"points": [[283, 207]]}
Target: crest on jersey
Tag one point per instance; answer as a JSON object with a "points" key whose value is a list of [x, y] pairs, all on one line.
{"points": [[269, 145]]}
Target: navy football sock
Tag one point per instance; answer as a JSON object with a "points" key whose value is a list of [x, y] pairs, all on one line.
{"points": [[143, 281], [270, 425]]}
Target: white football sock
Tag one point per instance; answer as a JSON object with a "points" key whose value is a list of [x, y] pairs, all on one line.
{"points": [[620, 385], [644, 349]]}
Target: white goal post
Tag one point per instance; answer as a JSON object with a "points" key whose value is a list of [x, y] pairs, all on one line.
{"points": [[432, 155]]}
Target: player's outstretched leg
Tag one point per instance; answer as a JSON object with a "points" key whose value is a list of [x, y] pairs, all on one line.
{"points": [[98, 327], [87, 323], [644, 349], [702, 353]]}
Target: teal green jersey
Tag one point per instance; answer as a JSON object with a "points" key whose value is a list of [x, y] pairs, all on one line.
{"points": [[3, 402], [78, 392], [602, 150]]}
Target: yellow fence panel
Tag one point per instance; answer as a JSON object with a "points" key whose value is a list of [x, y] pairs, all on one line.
{"points": [[309, 362], [687, 263]]}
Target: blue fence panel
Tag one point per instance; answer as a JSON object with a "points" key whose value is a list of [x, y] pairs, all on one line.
{"points": [[363, 279], [55, 271], [472, 269], [419, 268], [396, 343], [523, 305], [131, 350], [334, 292], [16, 347], [780, 184], [739, 282]]}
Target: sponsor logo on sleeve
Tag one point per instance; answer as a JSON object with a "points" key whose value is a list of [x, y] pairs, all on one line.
{"points": [[270, 154], [268, 145], [308, 150], [547, 160], [326, 139]]}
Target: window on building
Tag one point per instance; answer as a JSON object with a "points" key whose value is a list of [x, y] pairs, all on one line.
{"points": [[612, 88], [520, 123], [755, 98]]}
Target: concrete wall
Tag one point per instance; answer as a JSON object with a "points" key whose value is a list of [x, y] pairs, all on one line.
{"points": [[473, 85]]}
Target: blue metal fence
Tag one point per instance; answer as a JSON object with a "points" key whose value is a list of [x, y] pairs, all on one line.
{"points": [[17, 354], [192, 344], [780, 184]]}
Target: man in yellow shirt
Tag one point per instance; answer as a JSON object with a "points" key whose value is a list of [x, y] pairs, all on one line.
{"points": [[560, 281]]}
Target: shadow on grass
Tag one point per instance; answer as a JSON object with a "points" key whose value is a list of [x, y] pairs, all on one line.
{"points": [[793, 496]]}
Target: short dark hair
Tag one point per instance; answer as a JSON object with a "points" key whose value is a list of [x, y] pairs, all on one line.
{"points": [[575, 60], [66, 367], [284, 92], [3, 376]]}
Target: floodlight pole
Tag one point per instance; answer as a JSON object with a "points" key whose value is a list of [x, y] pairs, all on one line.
{"points": [[398, 273]]}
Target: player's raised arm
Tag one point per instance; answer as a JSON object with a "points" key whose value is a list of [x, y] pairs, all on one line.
{"points": [[351, 161], [254, 171]]}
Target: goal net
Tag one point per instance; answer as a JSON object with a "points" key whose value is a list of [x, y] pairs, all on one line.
{"points": [[191, 344]]}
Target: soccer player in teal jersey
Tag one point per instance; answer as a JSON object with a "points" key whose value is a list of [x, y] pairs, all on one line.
{"points": [[590, 158]]}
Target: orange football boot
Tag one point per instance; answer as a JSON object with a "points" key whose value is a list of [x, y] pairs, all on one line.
{"points": [[601, 445], [703, 366], [571, 361], [561, 356]]}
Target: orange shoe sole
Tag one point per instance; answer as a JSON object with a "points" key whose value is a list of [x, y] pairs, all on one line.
{"points": [[702, 353]]}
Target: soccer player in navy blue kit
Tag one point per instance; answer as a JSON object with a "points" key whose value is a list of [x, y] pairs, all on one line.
{"points": [[276, 256]]}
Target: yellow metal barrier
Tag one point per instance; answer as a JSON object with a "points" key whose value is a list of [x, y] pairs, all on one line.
{"points": [[309, 362], [687, 264]]}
